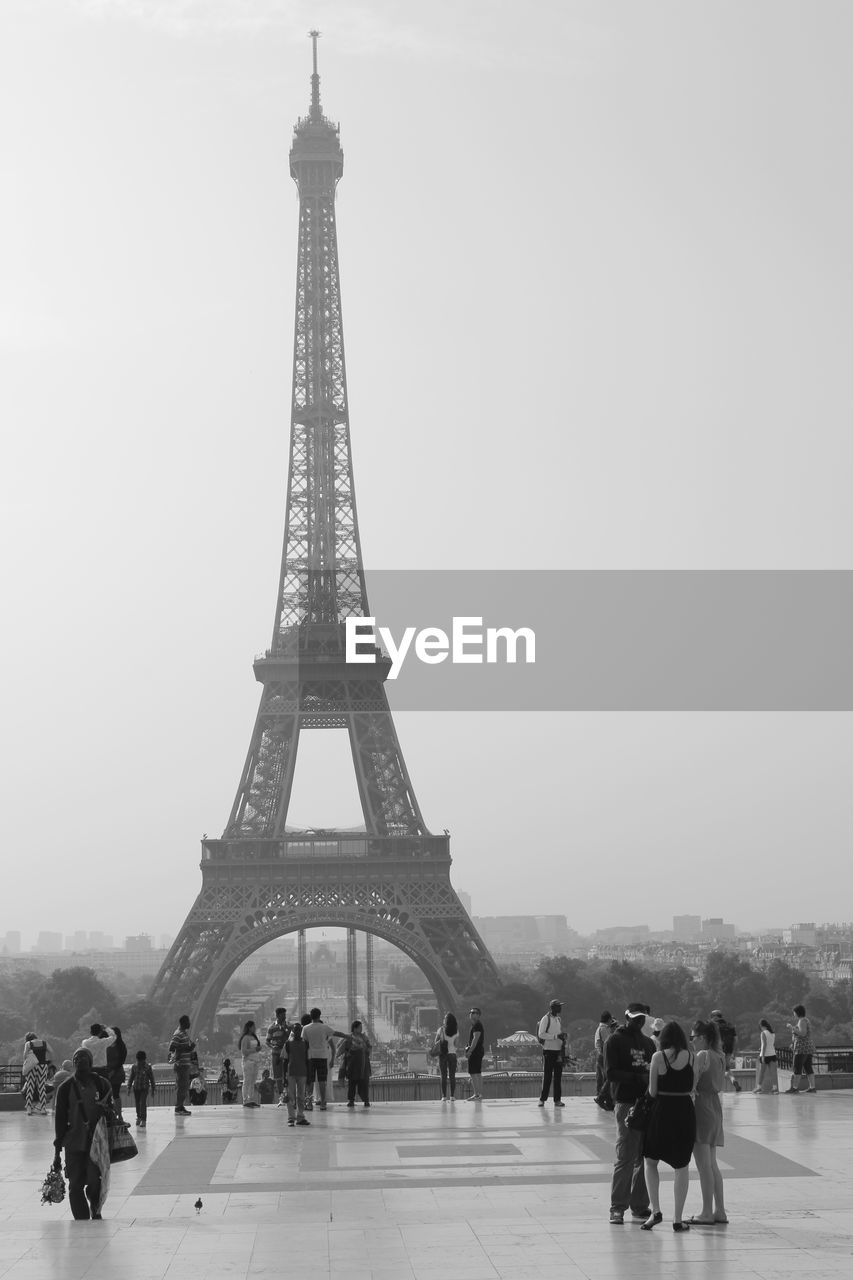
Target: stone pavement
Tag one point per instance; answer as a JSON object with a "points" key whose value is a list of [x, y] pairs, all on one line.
{"points": [[421, 1191]]}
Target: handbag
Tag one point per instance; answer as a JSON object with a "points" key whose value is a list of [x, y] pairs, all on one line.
{"points": [[434, 1049], [122, 1145], [638, 1117]]}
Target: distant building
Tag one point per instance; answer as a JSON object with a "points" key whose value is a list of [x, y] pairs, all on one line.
{"points": [[800, 935], [465, 899], [78, 941], [138, 942], [100, 941], [48, 942], [11, 945], [622, 934], [525, 935], [715, 929], [687, 928]]}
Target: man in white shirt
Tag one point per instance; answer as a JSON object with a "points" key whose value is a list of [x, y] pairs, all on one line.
{"points": [[97, 1043], [553, 1041], [318, 1038]]}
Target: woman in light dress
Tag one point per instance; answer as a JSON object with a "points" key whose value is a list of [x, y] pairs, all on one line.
{"points": [[250, 1051], [710, 1079], [768, 1073]]}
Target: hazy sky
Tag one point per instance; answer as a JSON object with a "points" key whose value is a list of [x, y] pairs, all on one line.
{"points": [[596, 267]]}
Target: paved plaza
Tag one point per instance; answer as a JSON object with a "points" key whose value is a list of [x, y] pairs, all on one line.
{"points": [[421, 1191]]}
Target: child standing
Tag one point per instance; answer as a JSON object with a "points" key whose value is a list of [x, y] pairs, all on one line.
{"points": [[141, 1080]]}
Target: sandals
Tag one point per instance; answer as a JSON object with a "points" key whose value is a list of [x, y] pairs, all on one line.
{"points": [[681, 1226], [652, 1221]]}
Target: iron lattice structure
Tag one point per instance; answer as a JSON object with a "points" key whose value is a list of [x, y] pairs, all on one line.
{"points": [[261, 879]]}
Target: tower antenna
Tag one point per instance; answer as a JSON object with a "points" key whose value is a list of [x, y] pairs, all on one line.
{"points": [[315, 113]]}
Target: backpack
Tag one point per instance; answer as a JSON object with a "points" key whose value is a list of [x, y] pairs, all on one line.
{"points": [[547, 1028]]}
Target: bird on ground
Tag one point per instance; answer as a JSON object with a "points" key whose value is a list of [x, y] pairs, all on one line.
{"points": [[198, 1206]]}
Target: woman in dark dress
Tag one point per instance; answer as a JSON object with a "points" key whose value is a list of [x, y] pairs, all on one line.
{"points": [[671, 1131]]}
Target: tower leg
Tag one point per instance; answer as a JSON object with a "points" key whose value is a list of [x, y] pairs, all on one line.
{"points": [[352, 976], [301, 973], [369, 986]]}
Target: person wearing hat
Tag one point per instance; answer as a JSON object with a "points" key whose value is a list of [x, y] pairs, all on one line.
{"points": [[552, 1038], [81, 1101], [627, 1055]]}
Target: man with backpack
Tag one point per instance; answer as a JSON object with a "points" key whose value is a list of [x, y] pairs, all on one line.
{"points": [[552, 1038], [728, 1043]]}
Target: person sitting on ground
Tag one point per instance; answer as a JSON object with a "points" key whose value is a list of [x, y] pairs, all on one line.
{"points": [[198, 1091], [265, 1088]]}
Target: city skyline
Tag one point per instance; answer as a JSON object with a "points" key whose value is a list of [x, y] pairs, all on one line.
{"points": [[685, 312]]}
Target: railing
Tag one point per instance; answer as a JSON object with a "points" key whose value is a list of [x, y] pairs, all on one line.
{"points": [[325, 846], [825, 1058], [11, 1079]]}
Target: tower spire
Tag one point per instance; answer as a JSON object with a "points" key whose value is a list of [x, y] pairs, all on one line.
{"points": [[315, 112]]}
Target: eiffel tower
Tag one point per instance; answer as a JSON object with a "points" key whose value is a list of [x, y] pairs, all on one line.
{"points": [[262, 879]]}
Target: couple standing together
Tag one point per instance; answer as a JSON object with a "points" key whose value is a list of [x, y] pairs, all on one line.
{"points": [[447, 1041]]}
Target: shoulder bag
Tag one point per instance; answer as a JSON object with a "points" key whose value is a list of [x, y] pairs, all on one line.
{"points": [[638, 1117]]}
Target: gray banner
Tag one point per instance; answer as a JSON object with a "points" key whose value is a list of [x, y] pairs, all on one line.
{"points": [[635, 641]]}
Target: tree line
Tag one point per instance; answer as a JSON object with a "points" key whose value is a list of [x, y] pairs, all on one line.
{"points": [[61, 1006]]}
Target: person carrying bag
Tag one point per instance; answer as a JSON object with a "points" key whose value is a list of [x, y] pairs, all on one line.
{"points": [[82, 1107]]}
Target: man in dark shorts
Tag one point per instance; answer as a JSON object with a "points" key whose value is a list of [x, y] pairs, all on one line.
{"points": [[276, 1039], [317, 1036], [803, 1048], [474, 1054]]}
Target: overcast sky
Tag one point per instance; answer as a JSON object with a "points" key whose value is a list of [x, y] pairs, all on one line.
{"points": [[596, 268]]}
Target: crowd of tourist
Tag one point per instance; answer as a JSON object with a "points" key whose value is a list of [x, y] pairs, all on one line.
{"points": [[662, 1086]]}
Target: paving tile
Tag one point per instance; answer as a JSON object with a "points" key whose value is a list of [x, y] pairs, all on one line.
{"points": [[348, 1204]]}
